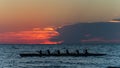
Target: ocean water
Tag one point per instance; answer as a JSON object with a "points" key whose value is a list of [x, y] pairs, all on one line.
{"points": [[9, 56]]}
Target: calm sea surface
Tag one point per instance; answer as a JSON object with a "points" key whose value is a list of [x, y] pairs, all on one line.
{"points": [[9, 56]]}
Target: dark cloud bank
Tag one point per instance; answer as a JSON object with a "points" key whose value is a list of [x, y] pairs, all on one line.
{"points": [[100, 31]]}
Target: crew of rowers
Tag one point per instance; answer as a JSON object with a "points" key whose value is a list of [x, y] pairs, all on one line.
{"points": [[67, 52]]}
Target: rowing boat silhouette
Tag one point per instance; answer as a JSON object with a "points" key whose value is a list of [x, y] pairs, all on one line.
{"points": [[58, 53]]}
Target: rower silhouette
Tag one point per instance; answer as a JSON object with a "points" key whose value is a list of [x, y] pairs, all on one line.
{"points": [[67, 52], [86, 51], [48, 51], [58, 52], [77, 51], [40, 52]]}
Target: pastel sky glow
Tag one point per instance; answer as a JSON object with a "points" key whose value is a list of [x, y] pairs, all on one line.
{"points": [[18, 17]]}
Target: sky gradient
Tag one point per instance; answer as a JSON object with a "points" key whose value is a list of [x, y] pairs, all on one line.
{"points": [[25, 15]]}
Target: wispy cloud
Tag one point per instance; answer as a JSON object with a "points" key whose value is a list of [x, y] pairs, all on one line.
{"points": [[115, 20]]}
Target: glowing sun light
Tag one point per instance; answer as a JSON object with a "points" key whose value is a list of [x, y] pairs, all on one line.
{"points": [[34, 36]]}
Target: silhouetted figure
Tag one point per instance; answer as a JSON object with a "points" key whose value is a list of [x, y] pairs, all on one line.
{"points": [[86, 52], [40, 52], [58, 52], [67, 52], [77, 51], [48, 51]]}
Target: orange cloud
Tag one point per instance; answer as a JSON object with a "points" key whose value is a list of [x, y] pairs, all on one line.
{"points": [[35, 36]]}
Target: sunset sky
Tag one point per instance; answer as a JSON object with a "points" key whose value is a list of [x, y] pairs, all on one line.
{"points": [[35, 21]]}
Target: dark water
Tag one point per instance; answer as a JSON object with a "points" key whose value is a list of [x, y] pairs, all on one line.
{"points": [[9, 56]]}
